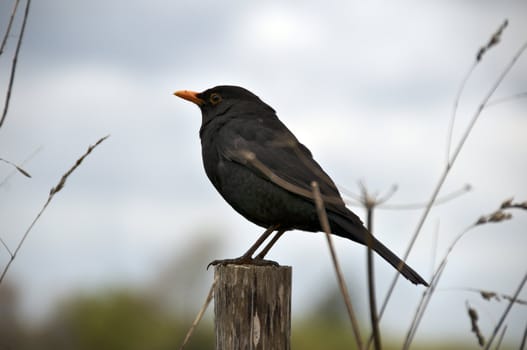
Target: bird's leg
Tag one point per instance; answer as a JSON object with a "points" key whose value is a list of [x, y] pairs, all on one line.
{"points": [[246, 258], [266, 249]]}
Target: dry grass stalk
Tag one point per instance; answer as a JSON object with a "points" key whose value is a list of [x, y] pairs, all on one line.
{"points": [[250, 157], [473, 314], [502, 335], [17, 167], [490, 295], [54, 190], [493, 41], [506, 311], [451, 162], [513, 97], [324, 223], [200, 314], [427, 294], [444, 199], [370, 202], [15, 171], [9, 25], [524, 338], [13, 65]]}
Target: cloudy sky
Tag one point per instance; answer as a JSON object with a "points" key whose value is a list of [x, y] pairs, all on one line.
{"points": [[367, 86]]}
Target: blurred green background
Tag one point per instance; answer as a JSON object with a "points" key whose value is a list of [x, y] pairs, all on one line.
{"points": [[158, 315]]}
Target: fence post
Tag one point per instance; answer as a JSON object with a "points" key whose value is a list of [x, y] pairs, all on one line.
{"points": [[252, 307]]}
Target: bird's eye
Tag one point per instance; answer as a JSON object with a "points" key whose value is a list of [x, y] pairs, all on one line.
{"points": [[215, 99]]}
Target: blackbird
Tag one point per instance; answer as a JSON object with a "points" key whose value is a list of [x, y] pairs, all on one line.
{"points": [[259, 167]]}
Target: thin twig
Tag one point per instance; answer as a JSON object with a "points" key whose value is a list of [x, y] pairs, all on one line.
{"points": [[324, 223], [52, 193], [9, 25], [446, 171], [13, 66], [200, 314], [506, 311]]}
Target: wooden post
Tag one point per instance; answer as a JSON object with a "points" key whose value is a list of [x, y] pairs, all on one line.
{"points": [[252, 307]]}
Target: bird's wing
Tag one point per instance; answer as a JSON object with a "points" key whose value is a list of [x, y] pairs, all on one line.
{"points": [[269, 149]]}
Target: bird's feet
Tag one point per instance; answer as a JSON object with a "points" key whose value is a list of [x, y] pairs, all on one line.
{"points": [[243, 260]]}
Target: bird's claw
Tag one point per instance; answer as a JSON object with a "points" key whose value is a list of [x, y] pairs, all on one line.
{"points": [[243, 260]]}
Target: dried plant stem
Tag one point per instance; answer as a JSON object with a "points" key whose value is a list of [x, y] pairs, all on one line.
{"points": [[506, 312], [370, 202], [427, 294], [449, 165], [488, 295], [17, 167], [376, 333], [502, 334], [6, 247], [13, 66], [52, 193], [454, 110], [200, 314], [324, 223], [524, 339], [501, 100], [446, 198], [27, 159], [9, 25]]}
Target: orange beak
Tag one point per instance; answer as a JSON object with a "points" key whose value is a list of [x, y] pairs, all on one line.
{"points": [[190, 96]]}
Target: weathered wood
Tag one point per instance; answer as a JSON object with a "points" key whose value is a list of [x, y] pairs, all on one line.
{"points": [[252, 307]]}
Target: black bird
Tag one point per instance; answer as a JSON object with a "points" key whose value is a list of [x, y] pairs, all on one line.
{"points": [[259, 167]]}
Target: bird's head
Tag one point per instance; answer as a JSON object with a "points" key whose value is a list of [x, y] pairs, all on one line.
{"points": [[218, 100]]}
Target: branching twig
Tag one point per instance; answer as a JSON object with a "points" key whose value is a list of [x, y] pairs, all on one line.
{"points": [[324, 223], [200, 314], [9, 25], [506, 312], [52, 193], [13, 66], [452, 160]]}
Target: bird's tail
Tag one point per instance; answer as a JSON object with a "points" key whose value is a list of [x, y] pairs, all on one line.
{"points": [[344, 228]]}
